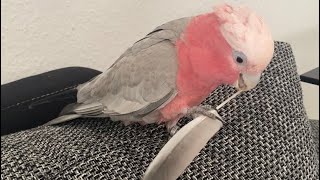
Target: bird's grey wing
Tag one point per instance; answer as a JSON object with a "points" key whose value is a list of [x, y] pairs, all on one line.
{"points": [[142, 79], [168, 31]]}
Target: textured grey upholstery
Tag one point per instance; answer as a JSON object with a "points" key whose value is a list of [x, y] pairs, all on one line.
{"points": [[266, 136]]}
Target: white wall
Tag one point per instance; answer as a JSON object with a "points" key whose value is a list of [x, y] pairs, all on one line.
{"points": [[37, 35]]}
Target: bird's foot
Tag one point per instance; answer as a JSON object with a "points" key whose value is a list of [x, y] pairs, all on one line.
{"points": [[197, 111], [203, 110], [172, 127], [172, 131], [126, 123]]}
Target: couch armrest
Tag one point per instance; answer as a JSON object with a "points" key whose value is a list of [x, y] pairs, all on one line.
{"points": [[311, 77], [17, 97]]}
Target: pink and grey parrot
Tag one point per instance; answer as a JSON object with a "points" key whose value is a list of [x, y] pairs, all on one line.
{"points": [[168, 73]]}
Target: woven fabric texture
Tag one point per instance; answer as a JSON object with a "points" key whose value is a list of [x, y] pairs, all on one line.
{"points": [[266, 136]]}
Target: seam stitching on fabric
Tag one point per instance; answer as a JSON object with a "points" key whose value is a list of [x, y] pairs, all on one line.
{"points": [[36, 98]]}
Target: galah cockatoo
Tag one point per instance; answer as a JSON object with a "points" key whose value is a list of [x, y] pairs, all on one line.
{"points": [[168, 73]]}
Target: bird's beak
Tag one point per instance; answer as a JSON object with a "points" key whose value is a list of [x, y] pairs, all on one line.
{"points": [[247, 81]]}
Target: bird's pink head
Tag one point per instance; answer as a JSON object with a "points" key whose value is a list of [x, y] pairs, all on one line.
{"points": [[232, 45]]}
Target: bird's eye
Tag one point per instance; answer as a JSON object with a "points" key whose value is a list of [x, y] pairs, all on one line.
{"points": [[239, 60], [239, 57]]}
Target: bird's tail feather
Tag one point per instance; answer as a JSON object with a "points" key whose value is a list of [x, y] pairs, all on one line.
{"points": [[65, 115], [63, 118], [69, 109]]}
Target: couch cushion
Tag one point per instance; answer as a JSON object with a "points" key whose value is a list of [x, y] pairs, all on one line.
{"points": [[267, 136]]}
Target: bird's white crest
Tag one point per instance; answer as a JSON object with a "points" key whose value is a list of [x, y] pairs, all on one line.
{"points": [[247, 32]]}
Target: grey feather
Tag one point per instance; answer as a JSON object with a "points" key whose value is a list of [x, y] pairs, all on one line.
{"points": [[63, 118], [139, 82]]}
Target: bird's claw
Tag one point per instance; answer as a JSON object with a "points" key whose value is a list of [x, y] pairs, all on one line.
{"points": [[173, 130], [204, 110]]}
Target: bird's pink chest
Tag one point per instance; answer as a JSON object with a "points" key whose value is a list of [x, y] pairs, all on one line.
{"points": [[176, 108], [202, 62], [179, 105]]}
